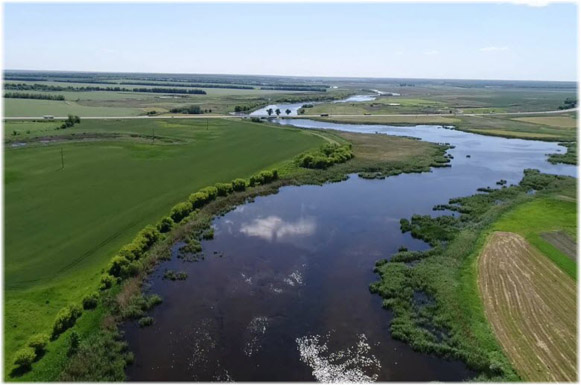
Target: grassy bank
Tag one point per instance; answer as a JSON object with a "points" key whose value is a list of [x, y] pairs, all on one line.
{"points": [[562, 128], [434, 295]]}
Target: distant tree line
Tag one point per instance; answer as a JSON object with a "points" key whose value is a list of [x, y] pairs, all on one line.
{"points": [[170, 91], [295, 88], [24, 95], [568, 104], [242, 108], [233, 81], [229, 86], [45, 87], [195, 110]]}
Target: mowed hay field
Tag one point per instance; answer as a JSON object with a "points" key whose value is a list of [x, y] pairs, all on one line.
{"points": [[63, 225], [532, 307], [553, 121]]}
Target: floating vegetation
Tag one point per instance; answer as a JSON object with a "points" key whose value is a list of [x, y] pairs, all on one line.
{"points": [[175, 276], [145, 321]]}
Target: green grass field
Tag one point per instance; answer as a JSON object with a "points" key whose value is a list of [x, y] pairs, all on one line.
{"points": [[540, 216], [31, 107], [65, 224]]}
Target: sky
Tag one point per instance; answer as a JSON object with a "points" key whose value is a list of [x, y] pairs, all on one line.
{"points": [[393, 40]]}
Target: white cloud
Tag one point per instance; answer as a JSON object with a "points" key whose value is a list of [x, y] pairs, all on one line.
{"points": [[494, 48], [431, 52]]}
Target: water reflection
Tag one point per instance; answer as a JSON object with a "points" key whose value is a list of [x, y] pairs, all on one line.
{"points": [[275, 229]]}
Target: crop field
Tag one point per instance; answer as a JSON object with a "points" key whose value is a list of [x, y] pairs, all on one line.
{"points": [[126, 103], [28, 107], [382, 105], [563, 242], [533, 219], [532, 307], [567, 121], [66, 223]]}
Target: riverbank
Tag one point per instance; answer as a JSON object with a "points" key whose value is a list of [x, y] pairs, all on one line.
{"points": [[434, 294], [103, 355], [560, 128]]}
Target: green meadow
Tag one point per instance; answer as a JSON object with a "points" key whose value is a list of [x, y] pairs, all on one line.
{"points": [[531, 219], [66, 223]]}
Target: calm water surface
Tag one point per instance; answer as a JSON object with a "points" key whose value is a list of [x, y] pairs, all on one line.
{"points": [[295, 107], [282, 293]]}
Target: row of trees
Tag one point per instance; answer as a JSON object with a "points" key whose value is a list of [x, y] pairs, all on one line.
{"points": [[229, 86], [192, 110], [47, 87], [170, 91], [23, 95], [296, 88], [270, 111]]}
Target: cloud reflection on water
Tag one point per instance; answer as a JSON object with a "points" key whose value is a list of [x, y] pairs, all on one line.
{"points": [[274, 228]]}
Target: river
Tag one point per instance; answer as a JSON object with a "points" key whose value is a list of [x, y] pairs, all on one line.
{"points": [[283, 291], [295, 107]]}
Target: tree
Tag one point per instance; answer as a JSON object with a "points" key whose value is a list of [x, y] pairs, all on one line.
{"points": [[269, 111], [288, 111], [277, 112]]}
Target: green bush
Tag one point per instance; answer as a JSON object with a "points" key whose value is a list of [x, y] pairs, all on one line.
{"points": [[203, 196], [165, 225], [90, 301], [140, 244], [180, 211], [38, 342], [326, 156], [106, 282], [239, 184], [74, 342], [224, 189], [208, 233], [263, 177], [145, 321], [65, 319], [24, 357], [117, 266]]}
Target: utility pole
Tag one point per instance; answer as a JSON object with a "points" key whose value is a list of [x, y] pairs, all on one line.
{"points": [[153, 136], [207, 124], [62, 159]]}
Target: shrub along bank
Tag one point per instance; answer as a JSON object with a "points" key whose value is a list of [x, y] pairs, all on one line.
{"points": [[433, 294]]}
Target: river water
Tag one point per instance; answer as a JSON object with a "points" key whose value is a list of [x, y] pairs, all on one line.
{"points": [[295, 107], [282, 293]]}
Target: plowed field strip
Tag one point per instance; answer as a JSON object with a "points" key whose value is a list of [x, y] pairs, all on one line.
{"points": [[532, 306]]}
